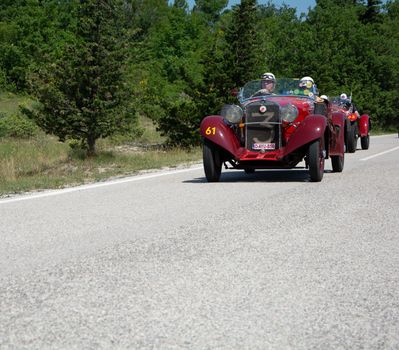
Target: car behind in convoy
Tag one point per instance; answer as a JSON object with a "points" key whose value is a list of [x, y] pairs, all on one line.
{"points": [[356, 125], [274, 131]]}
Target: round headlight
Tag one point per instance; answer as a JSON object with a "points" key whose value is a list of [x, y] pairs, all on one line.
{"points": [[289, 113], [232, 113]]}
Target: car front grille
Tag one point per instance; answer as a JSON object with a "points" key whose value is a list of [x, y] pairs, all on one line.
{"points": [[262, 126]]}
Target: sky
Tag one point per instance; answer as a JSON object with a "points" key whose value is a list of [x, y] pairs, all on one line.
{"points": [[301, 5]]}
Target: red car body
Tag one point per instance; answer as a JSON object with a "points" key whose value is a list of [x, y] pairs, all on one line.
{"points": [[264, 139], [356, 125]]}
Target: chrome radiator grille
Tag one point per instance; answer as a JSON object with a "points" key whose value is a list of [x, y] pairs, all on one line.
{"points": [[262, 126]]}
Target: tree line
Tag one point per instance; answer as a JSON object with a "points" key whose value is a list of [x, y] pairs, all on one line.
{"points": [[93, 66]]}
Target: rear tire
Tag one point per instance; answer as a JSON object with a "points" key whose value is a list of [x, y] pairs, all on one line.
{"points": [[212, 161], [316, 160], [365, 141]]}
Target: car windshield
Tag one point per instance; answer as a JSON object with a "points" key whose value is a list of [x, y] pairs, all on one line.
{"points": [[342, 103], [284, 87]]}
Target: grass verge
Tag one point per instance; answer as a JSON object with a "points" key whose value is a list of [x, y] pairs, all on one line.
{"points": [[44, 163], [10, 102]]}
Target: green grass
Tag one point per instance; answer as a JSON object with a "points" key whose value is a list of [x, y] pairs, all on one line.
{"points": [[44, 163], [9, 102], [150, 134]]}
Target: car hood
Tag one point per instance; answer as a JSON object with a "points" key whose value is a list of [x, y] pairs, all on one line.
{"points": [[304, 104]]}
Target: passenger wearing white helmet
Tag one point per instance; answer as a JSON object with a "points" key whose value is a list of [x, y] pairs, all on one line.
{"points": [[324, 97], [343, 96], [321, 105], [308, 87], [305, 81], [268, 84]]}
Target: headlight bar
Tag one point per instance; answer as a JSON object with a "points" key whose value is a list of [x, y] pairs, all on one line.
{"points": [[232, 113], [289, 113]]}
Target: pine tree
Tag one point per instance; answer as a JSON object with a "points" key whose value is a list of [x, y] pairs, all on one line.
{"points": [[84, 95], [242, 49], [211, 9], [372, 13]]}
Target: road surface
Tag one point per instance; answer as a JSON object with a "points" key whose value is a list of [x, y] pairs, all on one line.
{"points": [[166, 260]]}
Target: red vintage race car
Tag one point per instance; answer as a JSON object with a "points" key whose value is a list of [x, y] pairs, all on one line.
{"points": [[274, 131], [356, 125]]}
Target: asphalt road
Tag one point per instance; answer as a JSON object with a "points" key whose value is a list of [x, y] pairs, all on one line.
{"points": [[166, 260]]}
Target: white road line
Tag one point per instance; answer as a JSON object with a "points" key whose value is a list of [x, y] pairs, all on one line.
{"points": [[49, 193], [380, 154]]}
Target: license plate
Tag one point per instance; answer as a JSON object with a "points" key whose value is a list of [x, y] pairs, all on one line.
{"points": [[260, 146]]}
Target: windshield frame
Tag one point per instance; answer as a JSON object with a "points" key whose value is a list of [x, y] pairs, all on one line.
{"points": [[284, 87]]}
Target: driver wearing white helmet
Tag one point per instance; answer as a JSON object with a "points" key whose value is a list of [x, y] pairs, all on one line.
{"points": [[268, 83], [347, 103]]}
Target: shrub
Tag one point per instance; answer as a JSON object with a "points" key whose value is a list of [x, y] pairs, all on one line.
{"points": [[181, 123], [3, 80], [17, 126]]}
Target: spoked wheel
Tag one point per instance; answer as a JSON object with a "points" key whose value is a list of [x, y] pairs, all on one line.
{"points": [[351, 139], [212, 161], [365, 141], [316, 160]]}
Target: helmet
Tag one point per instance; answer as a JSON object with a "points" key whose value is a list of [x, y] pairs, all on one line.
{"points": [[268, 82], [306, 82], [308, 79], [343, 96], [268, 76], [324, 97]]}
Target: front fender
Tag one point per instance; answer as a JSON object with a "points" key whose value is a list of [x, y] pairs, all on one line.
{"points": [[337, 144], [338, 119], [312, 128], [216, 130], [364, 125]]}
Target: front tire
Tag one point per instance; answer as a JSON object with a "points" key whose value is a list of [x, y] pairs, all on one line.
{"points": [[212, 161], [352, 139], [337, 163], [316, 160], [365, 141]]}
